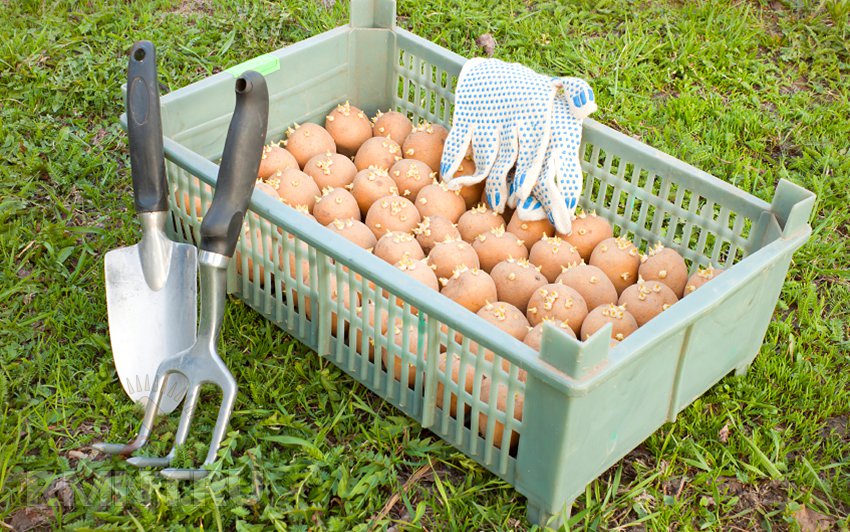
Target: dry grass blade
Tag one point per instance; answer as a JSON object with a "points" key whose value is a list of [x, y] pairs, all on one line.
{"points": [[391, 502]]}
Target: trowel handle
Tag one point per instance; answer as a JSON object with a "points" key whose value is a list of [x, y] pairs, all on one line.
{"points": [[144, 127], [240, 163]]}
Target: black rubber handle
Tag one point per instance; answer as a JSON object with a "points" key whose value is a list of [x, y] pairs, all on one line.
{"points": [[144, 127], [240, 163]]}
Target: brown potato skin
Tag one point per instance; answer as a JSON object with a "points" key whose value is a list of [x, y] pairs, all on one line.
{"points": [[393, 124], [425, 143], [294, 188], [472, 289], [665, 265], [551, 253], [621, 319], [530, 232], [478, 220], [370, 185], [336, 204], [393, 246], [392, 213], [558, 302], [411, 176], [506, 317], [355, 231], [330, 170], [434, 229], [588, 231], [307, 141], [497, 245], [349, 127], [619, 259], [448, 255], [700, 277], [534, 338], [379, 152], [275, 159], [647, 299], [516, 281], [501, 404], [437, 200], [592, 283]]}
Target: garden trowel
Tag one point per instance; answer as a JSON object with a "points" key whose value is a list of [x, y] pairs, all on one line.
{"points": [[151, 287]]}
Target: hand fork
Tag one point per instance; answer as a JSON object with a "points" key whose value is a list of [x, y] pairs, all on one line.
{"points": [[220, 230]]}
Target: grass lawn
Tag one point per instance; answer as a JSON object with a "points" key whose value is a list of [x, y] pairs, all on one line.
{"points": [[749, 91]]}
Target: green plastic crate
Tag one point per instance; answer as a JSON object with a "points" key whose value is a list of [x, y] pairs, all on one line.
{"points": [[585, 405]]}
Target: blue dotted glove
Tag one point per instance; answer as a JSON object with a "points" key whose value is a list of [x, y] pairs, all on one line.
{"points": [[503, 110], [555, 194]]}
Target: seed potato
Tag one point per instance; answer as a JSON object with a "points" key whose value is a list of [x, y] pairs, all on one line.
{"points": [[395, 245], [588, 231], [551, 253], [393, 124], [478, 220], [369, 186], [397, 334], [355, 231], [295, 188], [621, 320], [701, 277], [591, 282], [665, 265], [380, 152], [470, 288], [275, 159], [506, 317], [447, 255], [501, 400], [435, 229], [420, 271], [331, 170], [530, 232], [308, 140], [557, 302], [411, 176], [392, 213], [534, 338], [619, 259], [437, 200], [497, 245], [349, 127], [647, 299], [516, 280], [453, 373], [425, 143], [335, 204]]}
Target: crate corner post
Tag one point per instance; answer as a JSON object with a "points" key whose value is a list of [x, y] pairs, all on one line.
{"points": [[792, 205], [373, 14], [546, 450]]}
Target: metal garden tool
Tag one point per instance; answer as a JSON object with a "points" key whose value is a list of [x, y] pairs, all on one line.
{"points": [[220, 230], [151, 287]]}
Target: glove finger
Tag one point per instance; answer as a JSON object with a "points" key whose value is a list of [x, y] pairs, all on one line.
{"points": [[455, 148], [496, 192], [530, 157], [497, 181], [485, 149], [570, 182], [530, 209]]}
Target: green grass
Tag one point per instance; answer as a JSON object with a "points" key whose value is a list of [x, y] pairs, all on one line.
{"points": [[750, 92]]}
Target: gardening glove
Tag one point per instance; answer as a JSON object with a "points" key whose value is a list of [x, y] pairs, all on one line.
{"points": [[503, 110], [555, 194]]}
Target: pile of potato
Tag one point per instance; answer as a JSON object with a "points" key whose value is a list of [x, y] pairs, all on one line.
{"points": [[374, 182]]}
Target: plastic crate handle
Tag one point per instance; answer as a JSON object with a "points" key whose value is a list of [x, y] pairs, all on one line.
{"points": [[264, 64]]}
